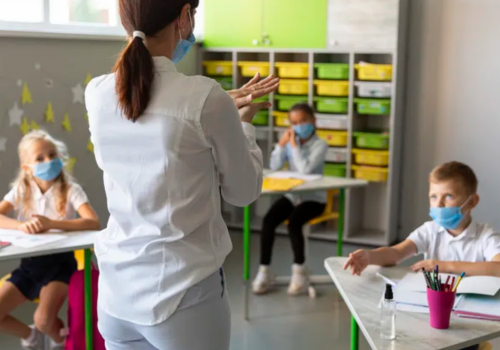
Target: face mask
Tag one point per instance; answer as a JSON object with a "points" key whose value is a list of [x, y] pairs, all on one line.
{"points": [[304, 131], [48, 171], [183, 45], [448, 217]]}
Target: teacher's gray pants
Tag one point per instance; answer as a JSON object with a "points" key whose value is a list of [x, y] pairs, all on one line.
{"points": [[201, 322]]}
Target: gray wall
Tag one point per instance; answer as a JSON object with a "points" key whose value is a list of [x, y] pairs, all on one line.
{"points": [[453, 109], [67, 63]]}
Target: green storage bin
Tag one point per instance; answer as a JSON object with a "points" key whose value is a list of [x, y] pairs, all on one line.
{"points": [[373, 106], [226, 83], [337, 170], [261, 118], [262, 99], [331, 104], [286, 102], [338, 71], [372, 139]]}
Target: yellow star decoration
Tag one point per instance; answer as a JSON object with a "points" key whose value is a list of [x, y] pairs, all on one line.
{"points": [[26, 95], [25, 126], [90, 146], [34, 125], [49, 114], [66, 123], [71, 165], [89, 78]]}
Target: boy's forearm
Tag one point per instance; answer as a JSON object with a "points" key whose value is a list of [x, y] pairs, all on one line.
{"points": [[76, 225], [385, 256], [8, 223], [491, 268]]}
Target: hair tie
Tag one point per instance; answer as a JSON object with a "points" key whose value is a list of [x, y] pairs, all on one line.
{"points": [[139, 34]]}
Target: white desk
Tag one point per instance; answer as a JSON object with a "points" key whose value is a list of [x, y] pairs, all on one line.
{"points": [[413, 332], [75, 241]]}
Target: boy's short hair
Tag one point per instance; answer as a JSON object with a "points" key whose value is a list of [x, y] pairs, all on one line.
{"points": [[303, 107], [455, 171]]}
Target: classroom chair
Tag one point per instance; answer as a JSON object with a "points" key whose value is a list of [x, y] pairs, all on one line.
{"points": [[485, 346], [328, 214]]}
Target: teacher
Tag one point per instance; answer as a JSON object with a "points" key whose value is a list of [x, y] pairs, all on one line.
{"points": [[169, 146]]}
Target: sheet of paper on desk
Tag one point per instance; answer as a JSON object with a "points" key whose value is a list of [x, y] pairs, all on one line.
{"points": [[479, 306], [484, 285], [293, 175], [24, 240]]}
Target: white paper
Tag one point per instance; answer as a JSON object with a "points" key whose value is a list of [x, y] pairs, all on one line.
{"points": [[480, 304], [24, 240], [484, 285], [293, 175], [386, 279]]}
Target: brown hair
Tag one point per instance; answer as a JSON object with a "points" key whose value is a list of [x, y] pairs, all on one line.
{"points": [[305, 108], [455, 171], [134, 68]]}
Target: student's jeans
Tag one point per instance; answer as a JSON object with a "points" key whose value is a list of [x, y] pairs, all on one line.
{"points": [[201, 322], [297, 217]]}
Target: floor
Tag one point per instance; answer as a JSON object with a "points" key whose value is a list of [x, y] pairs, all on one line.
{"points": [[277, 322]]}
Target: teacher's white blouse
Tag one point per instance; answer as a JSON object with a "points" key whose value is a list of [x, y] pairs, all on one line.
{"points": [[164, 177]]}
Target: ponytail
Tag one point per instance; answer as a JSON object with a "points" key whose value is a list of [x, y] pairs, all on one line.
{"points": [[134, 79]]}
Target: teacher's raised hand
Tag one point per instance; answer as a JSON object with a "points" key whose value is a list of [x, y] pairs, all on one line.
{"points": [[253, 90]]}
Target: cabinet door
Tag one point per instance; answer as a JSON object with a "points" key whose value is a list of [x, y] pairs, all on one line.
{"points": [[296, 23], [233, 23]]}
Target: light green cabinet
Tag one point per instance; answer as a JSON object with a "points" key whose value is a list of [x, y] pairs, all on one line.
{"points": [[266, 23]]}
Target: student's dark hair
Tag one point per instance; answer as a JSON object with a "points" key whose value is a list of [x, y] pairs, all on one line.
{"points": [[456, 171], [303, 107], [135, 68]]}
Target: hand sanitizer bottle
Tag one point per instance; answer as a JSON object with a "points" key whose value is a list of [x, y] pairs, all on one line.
{"points": [[388, 315]]}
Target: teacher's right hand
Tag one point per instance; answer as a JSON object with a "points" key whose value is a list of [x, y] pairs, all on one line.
{"points": [[253, 90], [248, 112]]}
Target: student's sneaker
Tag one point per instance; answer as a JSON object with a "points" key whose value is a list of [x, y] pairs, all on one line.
{"points": [[263, 281], [54, 346], [36, 340], [299, 283]]}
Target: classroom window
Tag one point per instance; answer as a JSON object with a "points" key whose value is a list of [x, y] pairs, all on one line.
{"points": [[21, 10], [103, 12]]}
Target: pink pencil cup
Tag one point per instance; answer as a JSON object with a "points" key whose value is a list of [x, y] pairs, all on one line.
{"points": [[440, 307]]}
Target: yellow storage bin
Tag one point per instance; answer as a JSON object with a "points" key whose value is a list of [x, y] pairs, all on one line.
{"points": [[293, 87], [369, 173], [331, 88], [375, 72], [369, 157], [292, 70], [219, 68], [333, 138], [249, 69], [281, 119]]}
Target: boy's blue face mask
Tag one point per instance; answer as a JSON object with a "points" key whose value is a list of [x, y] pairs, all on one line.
{"points": [[183, 45], [48, 171], [304, 131], [448, 217]]}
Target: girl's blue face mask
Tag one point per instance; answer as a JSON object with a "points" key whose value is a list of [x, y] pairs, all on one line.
{"points": [[183, 45], [48, 171], [304, 131], [448, 217]]}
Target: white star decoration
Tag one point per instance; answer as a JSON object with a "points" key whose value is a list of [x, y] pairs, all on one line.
{"points": [[38, 66], [19, 82], [3, 144], [78, 93], [15, 115]]}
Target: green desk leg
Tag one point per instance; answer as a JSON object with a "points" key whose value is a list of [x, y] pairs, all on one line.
{"points": [[354, 334], [340, 222], [246, 256], [88, 301]]}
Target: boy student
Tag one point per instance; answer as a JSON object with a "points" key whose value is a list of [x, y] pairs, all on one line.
{"points": [[452, 240]]}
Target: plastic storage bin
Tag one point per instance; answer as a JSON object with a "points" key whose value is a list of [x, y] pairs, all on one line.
{"points": [[379, 90], [331, 88], [368, 71], [292, 69], [331, 105], [261, 118], [286, 102], [281, 119], [249, 69], [333, 138], [368, 157], [369, 173], [374, 140], [336, 155], [338, 71], [330, 122], [293, 87], [373, 106], [337, 170], [218, 68], [225, 83]]}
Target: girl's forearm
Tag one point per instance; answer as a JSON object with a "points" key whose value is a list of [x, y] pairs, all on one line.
{"points": [[76, 225], [8, 223]]}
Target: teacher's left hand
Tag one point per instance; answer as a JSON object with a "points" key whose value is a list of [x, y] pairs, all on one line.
{"points": [[253, 90]]}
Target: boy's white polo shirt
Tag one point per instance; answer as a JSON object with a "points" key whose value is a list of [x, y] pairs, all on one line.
{"points": [[479, 242]]}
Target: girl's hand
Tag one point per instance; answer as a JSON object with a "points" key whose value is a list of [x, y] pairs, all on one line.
{"points": [[429, 266], [254, 89], [293, 138], [285, 138], [358, 261], [38, 224]]}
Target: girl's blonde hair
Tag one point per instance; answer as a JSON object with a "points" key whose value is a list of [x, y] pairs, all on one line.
{"points": [[23, 181]]}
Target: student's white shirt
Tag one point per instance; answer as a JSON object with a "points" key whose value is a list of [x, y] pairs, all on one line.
{"points": [[479, 242], [46, 203], [164, 176]]}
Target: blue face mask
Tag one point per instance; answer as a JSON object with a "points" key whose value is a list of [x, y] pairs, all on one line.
{"points": [[48, 171], [183, 45], [304, 131], [448, 217]]}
